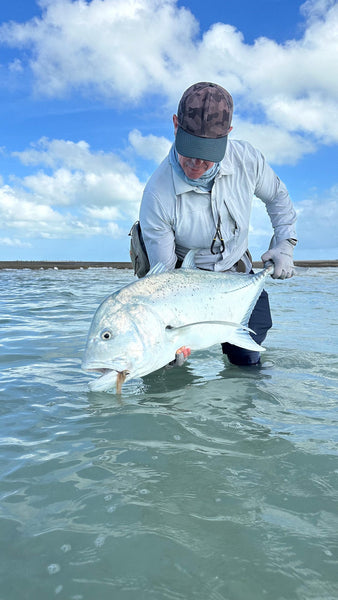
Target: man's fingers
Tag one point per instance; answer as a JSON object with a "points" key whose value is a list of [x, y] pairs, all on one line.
{"points": [[181, 356]]}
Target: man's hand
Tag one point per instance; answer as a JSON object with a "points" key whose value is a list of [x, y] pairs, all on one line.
{"points": [[181, 356], [282, 257]]}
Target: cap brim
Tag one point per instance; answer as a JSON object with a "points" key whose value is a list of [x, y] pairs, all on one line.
{"points": [[192, 146]]}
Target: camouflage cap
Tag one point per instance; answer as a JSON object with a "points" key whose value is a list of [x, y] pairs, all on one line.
{"points": [[204, 120]]}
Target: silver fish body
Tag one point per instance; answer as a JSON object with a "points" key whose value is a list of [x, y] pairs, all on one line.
{"points": [[139, 328]]}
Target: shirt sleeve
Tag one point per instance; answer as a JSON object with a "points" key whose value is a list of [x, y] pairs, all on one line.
{"points": [[157, 231], [273, 192]]}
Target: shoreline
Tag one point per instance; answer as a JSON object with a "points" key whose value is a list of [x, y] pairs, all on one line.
{"points": [[70, 264]]}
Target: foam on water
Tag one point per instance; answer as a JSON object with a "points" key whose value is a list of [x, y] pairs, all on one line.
{"points": [[205, 482]]}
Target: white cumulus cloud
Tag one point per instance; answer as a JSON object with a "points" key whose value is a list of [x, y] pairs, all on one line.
{"points": [[318, 214], [14, 243], [149, 146], [121, 52], [125, 49], [71, 191], [77, 176]]}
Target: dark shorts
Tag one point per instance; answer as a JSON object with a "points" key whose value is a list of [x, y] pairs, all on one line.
{"points": [[260, 322]]}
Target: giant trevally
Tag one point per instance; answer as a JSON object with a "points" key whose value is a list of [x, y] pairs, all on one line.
{"points": [[138, 329]]}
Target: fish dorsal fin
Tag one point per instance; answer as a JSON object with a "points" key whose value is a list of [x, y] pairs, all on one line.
{"points": [[188, 263], [189, 260], [157, 269]]}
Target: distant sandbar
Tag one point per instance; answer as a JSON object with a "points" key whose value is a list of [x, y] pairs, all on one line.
{"points": [[43, 264]]}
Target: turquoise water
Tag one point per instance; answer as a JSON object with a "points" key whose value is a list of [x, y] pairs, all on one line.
{"points": [[207, 482]]}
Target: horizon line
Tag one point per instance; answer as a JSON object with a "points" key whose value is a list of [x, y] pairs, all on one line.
{"points": [[76, 264]]}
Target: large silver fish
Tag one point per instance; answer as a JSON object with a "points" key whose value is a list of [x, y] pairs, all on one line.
{"points": [[139, 328]]}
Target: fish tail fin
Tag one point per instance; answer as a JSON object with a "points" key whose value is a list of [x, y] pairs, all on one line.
{"points": [[258, 278]]}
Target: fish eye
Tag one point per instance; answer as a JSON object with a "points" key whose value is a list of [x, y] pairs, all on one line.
{"points": [[106, 335]]}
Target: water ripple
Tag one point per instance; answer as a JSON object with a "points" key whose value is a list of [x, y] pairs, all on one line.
{"points": [[202, 482]]}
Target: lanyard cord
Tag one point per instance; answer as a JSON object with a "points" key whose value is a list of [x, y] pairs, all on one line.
{"points": [[218, 235]]}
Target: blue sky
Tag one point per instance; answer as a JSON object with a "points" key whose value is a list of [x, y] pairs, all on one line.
{"points": [[88, 89]]}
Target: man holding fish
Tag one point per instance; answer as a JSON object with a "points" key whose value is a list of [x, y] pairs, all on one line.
{"points": [[200, 197], [195, 215]]}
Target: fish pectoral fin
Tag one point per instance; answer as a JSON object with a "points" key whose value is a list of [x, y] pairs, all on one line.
{"points": [[207, 333], [199, 323]]}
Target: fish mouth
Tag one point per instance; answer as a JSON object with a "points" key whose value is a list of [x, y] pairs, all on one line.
{"points": [[109, 378]]}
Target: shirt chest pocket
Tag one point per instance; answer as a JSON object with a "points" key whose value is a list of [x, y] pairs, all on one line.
{"points": [[194, 202], [194, 223]]}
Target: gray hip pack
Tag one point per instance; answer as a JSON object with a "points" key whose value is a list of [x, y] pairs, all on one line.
{"points": [[138, 252]]}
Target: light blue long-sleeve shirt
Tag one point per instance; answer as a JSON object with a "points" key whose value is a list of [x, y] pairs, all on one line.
{"points": [[176, 217]]}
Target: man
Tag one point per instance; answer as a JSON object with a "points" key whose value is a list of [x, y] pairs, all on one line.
{"points": [[201, 197]]}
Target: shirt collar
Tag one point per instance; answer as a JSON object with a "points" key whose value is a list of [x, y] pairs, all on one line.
{"points": [[226, 167], [181, 186]]}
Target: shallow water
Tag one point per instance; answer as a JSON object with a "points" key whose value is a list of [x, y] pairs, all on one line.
{"points": [[207, 482]]}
